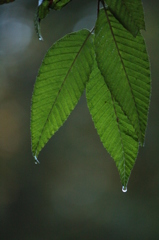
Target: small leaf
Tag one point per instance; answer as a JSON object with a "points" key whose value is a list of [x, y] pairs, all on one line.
{"points": [[129, 13], [5, 1], [60, 83], [43, 9], [123, 61], [115, 130]]}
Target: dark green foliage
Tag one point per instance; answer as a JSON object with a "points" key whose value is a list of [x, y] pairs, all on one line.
{"points": [[127, 72], [129, 13], [113, 66]]}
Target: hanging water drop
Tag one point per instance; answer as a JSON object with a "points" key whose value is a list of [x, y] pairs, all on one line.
{"points": [[40, 38], [39, 32], [37, 28], [36, 160], [124, 189]]}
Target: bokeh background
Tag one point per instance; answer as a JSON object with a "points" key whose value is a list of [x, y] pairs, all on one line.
{"points": [[75, 192]]}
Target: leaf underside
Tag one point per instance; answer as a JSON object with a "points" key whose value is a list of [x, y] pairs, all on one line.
{"points": [[115, 130], [129, 13], [125, 67], [60, 83]]}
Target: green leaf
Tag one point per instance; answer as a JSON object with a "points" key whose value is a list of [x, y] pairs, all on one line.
{"points": [[115, 130], [5, 1], [60, 83], [137, 12], [43, 10], [123, 61], [129, 13]]}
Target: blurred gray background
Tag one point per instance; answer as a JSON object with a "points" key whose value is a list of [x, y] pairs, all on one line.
{"points": [[75, 193]]}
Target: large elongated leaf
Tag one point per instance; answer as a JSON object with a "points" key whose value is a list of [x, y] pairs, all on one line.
{"points": [[125, 67], [129, 13], [60, 83], [115, 130]]}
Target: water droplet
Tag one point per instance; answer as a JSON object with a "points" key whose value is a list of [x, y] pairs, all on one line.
{"points": [[40, 38], [38, 30], [36, 160], [124, 189]]}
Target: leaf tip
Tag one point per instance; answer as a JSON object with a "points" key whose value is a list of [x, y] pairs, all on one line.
{"points": [[36, 160]]}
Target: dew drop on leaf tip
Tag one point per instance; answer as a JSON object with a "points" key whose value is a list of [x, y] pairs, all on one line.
{"points": [[40, 38], [36, 160], [124, 189]]}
